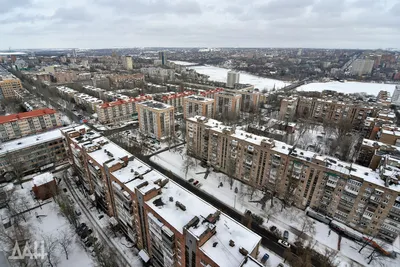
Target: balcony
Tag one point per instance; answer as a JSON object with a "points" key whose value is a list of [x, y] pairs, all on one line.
{"points": [[351, 190], [249, 162], [234, 143], [276, 160], [367, 215]]}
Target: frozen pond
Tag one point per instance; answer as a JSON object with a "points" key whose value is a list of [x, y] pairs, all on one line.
{"points": [[349, 87]]}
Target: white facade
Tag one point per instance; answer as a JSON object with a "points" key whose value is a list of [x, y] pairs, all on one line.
{"points": [[396, 95], [362, 66], [128, 63], [233, 78]]}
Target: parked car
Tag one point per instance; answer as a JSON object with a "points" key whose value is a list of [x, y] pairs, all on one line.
{"points": [[285, 235], [80, 230], [191, 180], [78, 212], [87, 233], [280, 265], [283, 243], [265, 258], [195, 182], [272, 228], [198, 185]]}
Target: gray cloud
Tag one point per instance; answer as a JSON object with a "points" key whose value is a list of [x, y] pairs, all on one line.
{"points": [[129, 23]]}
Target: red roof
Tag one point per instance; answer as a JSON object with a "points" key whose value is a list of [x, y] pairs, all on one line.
{"points": [[123, 101], [25, 115]]}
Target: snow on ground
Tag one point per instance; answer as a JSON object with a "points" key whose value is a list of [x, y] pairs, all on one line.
{"points": [[51, 222], [348, 87], [183, 63], [220, 75], [273, 259], [289, 219], [65, 120]]}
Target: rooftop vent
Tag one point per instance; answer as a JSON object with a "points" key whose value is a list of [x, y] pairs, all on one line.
{"points": [[366, 173], [132, 170], [171, 199], [180, 205], [19, 143], [231, 243], [243, 251], [158, 202], [215, 244]]}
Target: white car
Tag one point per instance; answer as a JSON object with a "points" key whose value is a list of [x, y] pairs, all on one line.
{"points": [[198, 185], [283, 243]]}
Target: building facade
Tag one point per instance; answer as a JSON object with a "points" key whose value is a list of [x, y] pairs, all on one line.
{"points": [[33, 153], [9, 85], [357, 196], [226, 104], [362, 67], [170, 225], [156, 119], [197, 105], [396, 95], [128, 63], [232, 79], [27, 123]]}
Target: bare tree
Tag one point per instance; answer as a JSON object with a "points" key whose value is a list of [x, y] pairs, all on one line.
{"points": [[65, 240], [14, 163], [307, 227], [50, 249], [231, 169], [106, 257], [67, 209], [188, 163]]}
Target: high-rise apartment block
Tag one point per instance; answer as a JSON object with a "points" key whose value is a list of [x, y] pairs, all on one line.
{"points": [[227, 104], [170, 225], [232, 79], [27, 123], [32, 153], [362, 67], [367, 200], [163, 57], [197, 105], [288, 108], [127, 62], [174, 99], [250, 100], [156, 119], [9, 84]]}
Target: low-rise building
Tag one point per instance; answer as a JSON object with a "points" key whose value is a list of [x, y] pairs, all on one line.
{"points": [[33, 153], [366, 200], [22, 124], [156, 119], [44, 186], [198, 105], [88, 101], [170, 225]]}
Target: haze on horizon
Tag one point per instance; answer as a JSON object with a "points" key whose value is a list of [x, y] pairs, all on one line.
{"points": [[361, 24]]}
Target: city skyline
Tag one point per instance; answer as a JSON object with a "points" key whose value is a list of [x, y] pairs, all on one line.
{"points": [[289, 23]]}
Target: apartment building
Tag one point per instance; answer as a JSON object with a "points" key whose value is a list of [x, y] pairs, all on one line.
{"points": [[156, 119], [372, 126], [210, 93], [357, 196], [126, 80], [170, 225], [159, 73], [288, 107], [198, 105], [226, 103], [327, 109], [250, 100], [175, 99], [9, 85], [119, 110], [22, 124], [371, 153], [88, 101], [33, 153]]}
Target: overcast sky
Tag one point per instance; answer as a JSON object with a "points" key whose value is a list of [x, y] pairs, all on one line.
{"points": [[200, 23]]}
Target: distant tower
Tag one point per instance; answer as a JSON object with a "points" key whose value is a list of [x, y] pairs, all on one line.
{"points": [[74, 53], [127, 62], [396, 96], [163, 57], [233, 78]]}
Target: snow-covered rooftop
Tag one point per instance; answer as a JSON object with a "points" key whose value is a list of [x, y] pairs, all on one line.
{"points": [[43, 178], [29, 141]]}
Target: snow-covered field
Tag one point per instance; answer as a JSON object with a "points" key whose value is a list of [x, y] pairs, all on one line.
{"points": [[183, 63], [348, 87], [289, 219]]}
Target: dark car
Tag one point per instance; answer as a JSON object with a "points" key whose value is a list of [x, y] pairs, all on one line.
{"points": [[285, 235], [191, 180], [87, 233], [195, 182], [272, 228]]}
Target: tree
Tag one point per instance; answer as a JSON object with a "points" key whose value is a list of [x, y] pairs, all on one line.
{"points": [[105, 257], [14, 162], [188, 163], [231, 169], [307, 227], [50, 249], [65, 240]]}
